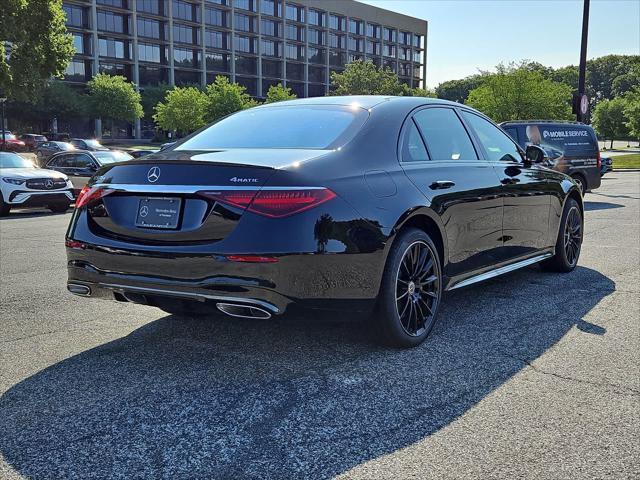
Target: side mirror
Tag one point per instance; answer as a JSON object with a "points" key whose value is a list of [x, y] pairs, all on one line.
{"points": [[535, 154]]}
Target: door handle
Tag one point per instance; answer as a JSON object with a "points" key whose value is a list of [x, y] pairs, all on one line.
{"points": [[509, 181], [441, 185]]}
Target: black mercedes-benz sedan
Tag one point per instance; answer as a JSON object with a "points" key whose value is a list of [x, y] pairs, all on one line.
{"points": [[368, 204]]}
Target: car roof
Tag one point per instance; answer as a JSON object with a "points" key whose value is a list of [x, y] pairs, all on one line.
{"points": [[363, 101], [546, 122]]}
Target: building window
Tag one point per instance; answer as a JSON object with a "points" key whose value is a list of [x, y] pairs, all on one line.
{"points": [[297, 88], [404, 53], [317, 18], [271, 48], [356, 26], [213, 16], [75, 71], [244, 23], [316, 90], [244, 44], [112, 48], [112, 22], [373, 48], [271, 68], [184, 34], [294, 32], [219, 2], [186, 58], [417, 40], [317, 74], [356, 44], [251, 84], [294, 52], [337, 59], [78, 42], [390, 34], [152, 75], [337, 41], [149, 52], [186, 11], [316, 36], [373, 30], [247, 65], [404, 70], [295, 13], [390, 64], [317, 55], [151, 28], [389, 50], [115, 69], [216, 39], [417, 57], [183, 78], [271, 7], [217, 61], [405, 38], [270, 28], [75, 16], [295, 71], [157, 7], [337, 22], [249, 5], [113, 3]]}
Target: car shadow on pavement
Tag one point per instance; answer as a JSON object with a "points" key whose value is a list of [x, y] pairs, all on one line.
{"points": [[287, 398], [591, 206]]}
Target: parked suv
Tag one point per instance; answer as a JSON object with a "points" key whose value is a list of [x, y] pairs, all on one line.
{"points": [[570, 147]]}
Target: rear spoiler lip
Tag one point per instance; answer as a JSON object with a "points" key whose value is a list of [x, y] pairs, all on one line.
{"points": [[190, 189]]}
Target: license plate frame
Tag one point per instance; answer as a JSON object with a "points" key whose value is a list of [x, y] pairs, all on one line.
{"points": [[159, 212]]}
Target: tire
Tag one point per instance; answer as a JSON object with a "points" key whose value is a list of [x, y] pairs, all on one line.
{"points": [[59, 207], [582, 184], [5, 208], [569, 242], [410, 291]]}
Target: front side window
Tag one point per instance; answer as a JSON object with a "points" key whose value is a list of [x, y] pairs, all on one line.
{"points": [[308, 127], [497, 144], [445, 135]]}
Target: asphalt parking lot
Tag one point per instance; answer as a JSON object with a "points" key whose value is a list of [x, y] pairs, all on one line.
{"points": [[531, 375]]}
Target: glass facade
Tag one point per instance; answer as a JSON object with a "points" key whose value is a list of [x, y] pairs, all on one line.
{"points": [[257, 43]]}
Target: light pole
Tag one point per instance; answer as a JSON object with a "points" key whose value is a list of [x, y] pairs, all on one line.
{"points": [[581, 102], [3, 99]]}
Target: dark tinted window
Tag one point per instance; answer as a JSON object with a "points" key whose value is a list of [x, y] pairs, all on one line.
{"points": [[497, 144], [62, 161], [314, 127], [445, 135], [413, 149], [81, 161]]}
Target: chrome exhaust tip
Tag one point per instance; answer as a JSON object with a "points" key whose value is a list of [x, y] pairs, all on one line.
{"points": [[243, 311], [78, 289]]}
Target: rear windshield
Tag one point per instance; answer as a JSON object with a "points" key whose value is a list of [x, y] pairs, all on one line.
{"points": [[560, 140], [301, 127]]}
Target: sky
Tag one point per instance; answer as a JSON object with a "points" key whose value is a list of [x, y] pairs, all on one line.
{"points": [[466, 36]]}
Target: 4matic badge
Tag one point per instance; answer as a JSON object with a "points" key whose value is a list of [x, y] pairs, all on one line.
{"points": [[243, 180]]}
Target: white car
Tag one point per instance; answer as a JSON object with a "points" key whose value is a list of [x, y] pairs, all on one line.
{"points": [[24, 185]]}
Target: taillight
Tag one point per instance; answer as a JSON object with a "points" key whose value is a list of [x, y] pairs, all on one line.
{"points": [[274, 203], [90, 194], [599, 160]]}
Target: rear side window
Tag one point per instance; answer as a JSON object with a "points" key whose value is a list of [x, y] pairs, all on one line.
{"points": [[413, 149], [444, 134], [61, 161], [497, 144], [303, 127]]}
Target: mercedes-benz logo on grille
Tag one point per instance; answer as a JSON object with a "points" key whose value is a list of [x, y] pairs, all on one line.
{"points": [[144, 211], [48, 183], [154, 174]]}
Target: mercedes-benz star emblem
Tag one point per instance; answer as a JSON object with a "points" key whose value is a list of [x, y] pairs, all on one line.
{"points": [[154, 174], [48, 183], [144, 211]]}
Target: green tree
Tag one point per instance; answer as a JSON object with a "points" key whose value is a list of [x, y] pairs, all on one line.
{"points": [[151, 96], [603, 71], [113, 98], [418, 92], [609, 119], [225, 98], [632, 112], [364, 78], [458, 90], [514, 93], [278, 93], [183, 110], [40, 46]]}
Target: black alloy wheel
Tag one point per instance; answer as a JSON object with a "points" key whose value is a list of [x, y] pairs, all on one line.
{"points": [[569, 242], [411, 290]]}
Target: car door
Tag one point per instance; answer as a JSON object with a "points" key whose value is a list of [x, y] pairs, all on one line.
{"points": [[526, 189], [440, 158], [84, 166]]}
